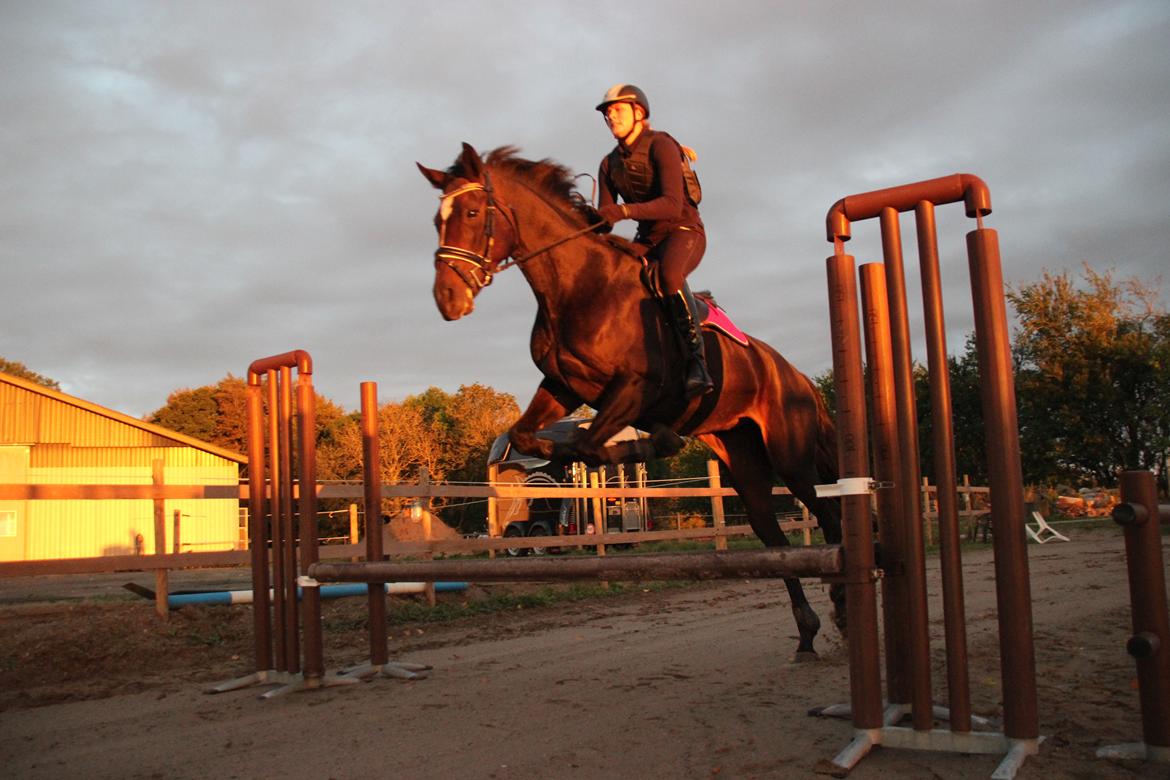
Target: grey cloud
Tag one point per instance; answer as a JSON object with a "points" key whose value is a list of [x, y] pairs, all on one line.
{"points": [[201, 185]]}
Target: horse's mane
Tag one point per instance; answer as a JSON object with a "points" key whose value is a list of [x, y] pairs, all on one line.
{"points": [[548, 178]]}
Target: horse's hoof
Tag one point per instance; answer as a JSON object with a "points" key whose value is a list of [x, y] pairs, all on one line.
{"points": [[666, 442], [805, 656]]}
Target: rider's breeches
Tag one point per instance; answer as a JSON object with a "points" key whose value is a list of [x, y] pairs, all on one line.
{"points": [[678, 254]]}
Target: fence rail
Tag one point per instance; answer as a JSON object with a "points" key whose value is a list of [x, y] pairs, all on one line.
{"points": [[422, 490]]}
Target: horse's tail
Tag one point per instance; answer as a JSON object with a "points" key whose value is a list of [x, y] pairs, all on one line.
{"points": [[826, 447]]}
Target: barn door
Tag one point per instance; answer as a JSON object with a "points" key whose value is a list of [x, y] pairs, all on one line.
{"points": [[13, 515]]}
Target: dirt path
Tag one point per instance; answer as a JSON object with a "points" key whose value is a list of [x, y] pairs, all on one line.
{"points": [[687, 683]]}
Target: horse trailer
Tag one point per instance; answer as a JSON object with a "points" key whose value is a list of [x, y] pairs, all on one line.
{"points": [[534, 517]]}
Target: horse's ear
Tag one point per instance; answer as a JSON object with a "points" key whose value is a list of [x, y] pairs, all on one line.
{"points": [[438, 179], [471, 162]]}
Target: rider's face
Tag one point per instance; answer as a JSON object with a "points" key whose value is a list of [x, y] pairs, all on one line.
{"points": [[621, 119]]}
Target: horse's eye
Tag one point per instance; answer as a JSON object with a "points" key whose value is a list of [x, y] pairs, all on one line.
{"points": [[472, 213]]}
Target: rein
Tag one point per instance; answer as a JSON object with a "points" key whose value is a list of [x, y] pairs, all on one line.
{"points": [[553, 245], [482, 267]]}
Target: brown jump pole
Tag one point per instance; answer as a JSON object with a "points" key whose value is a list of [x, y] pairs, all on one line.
{"points": [[1005, 478], [292, 643], [853, 462], [1138, 516], [257, 526], [816, 561], [909, 477], [943, 445], [372, 475], [314, 667], [276, 508], [887, 456]]}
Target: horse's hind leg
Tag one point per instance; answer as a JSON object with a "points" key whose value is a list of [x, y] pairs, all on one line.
{"points": [[803, 487], [742, 450]]}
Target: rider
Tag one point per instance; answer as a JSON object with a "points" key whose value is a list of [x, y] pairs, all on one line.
{"points": [[647, 169]]}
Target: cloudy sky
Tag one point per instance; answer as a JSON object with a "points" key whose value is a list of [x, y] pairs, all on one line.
{"points": [[189, 186]]}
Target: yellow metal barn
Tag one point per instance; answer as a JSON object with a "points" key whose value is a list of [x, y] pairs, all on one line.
{"points": [[50, 438]]}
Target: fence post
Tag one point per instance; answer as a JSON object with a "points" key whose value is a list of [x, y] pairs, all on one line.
{"points": [[926, 511], [493, 510], [161, 576], [354, 535], [424, 505], [598, 511], [175, 536], [716, 505]]}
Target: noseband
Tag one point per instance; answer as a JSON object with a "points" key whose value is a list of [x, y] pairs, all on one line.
{"points": [[476, 269]]}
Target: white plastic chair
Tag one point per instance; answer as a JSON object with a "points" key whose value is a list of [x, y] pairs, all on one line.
{"points": [[1043, 532]]}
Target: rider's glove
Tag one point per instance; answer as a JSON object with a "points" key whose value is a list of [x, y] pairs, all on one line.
{"points": [[613, 213]]}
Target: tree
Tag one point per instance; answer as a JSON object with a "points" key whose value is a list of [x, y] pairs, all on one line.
{"points": [[21, 371], [189, 412], [966, 416], [1093, 382], [218, 414], [448, 435]]}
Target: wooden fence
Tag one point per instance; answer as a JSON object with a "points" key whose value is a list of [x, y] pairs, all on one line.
{"points": [[974, 502]]}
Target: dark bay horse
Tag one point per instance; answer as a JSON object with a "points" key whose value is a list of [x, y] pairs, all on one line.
{"points": [[600, 338]]}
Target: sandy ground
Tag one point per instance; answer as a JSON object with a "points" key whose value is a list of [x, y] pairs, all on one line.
{"points": [[694, 682]]}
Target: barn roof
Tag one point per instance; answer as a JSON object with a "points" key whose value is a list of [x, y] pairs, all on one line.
{"points": [[114, 416]]}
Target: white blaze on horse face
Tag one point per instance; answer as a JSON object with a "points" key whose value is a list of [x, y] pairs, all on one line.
{"points": [[446, 206]]}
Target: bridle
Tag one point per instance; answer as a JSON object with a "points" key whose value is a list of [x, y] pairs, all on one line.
{"points": [[476, 269]]}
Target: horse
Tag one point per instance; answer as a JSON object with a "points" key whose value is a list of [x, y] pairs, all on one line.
{"points": [[600, 338]]}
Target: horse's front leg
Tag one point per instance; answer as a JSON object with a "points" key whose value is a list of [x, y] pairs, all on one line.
{"points": [[621, 403], [550, 403]]}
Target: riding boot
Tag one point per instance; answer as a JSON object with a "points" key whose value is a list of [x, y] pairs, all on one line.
{"points": [[684, 317]]}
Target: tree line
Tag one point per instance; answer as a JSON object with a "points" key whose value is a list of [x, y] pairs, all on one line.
{"points": [[1092, 362], [447, 434]]}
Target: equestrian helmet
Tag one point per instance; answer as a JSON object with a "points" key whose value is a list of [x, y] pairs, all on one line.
{"points": [[625, 93]]}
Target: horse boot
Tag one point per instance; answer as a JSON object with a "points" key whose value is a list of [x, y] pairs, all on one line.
{"points": [[684, 317]]}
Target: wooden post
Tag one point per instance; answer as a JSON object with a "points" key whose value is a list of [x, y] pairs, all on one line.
{"points": [[598, 511], [175, 536], [354, 533], [965, 491], [493, 511], [424, 503], [161, 576], [713, 481], [804, 516], [926, 510]]}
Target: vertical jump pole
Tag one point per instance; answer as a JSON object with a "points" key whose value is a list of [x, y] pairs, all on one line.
{"points": [[943, 447], [853, 461], [1005, 478], [258, 527], [372, 471], [292, 640], [276, 509], [909, 479], [314, 667], [379, 663], [1139, 516], [887, 456]]}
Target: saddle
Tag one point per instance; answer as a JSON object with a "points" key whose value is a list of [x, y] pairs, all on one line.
{"points": [[711, 316]]}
